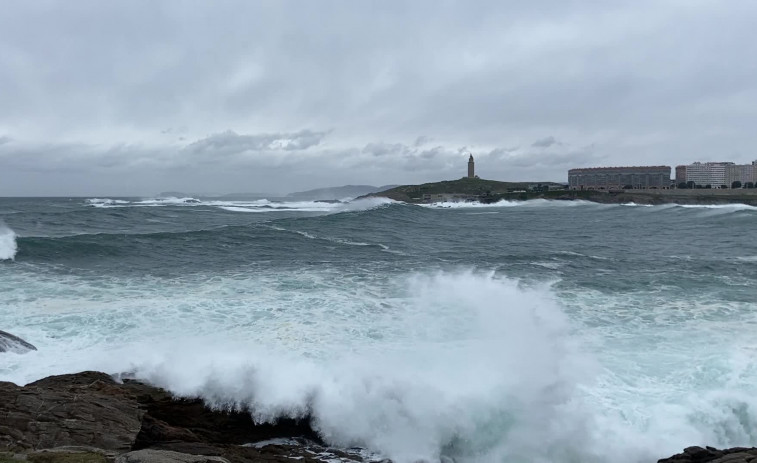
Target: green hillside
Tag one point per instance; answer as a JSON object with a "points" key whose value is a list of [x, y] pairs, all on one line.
{"points": [[464, 186]]}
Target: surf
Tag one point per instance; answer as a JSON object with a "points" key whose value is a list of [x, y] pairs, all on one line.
{"points": [[8, 245]]}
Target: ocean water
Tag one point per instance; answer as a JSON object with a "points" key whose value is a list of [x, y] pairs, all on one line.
{"points": [[518, 332]]}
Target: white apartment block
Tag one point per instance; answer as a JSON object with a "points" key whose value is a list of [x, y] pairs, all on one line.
{"points": [[716, 173], [741, 173]]}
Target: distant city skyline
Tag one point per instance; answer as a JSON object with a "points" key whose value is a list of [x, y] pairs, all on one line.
{"points": [[134, 98]]}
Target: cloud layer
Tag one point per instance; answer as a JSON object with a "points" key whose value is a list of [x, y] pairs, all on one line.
{"points": [[137, 97]]}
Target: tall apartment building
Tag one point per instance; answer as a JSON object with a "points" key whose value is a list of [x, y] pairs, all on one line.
{"points": [[606, 178], [741, 173], [716, 173]]}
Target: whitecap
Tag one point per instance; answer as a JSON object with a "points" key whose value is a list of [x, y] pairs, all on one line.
{"points": [[8, 246]]}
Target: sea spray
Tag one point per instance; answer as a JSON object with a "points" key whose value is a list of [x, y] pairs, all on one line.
{"points": [[481, 365], [8, 246]]}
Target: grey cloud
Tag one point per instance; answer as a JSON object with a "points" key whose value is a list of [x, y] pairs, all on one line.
{"points": [[385, 149], [229, 142], [108, 93], [221, 165], [544, 142], [422, 140]]}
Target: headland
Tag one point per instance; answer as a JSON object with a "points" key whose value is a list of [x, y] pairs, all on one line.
{"points": [[492, 191]]}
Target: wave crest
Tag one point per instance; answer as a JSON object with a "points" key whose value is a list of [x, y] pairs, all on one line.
{"points": [[8, 246], [483, 366]]}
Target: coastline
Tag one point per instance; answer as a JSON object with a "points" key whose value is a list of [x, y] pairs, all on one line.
{"points": [[93, 417], [657, 197], [490, 191]]}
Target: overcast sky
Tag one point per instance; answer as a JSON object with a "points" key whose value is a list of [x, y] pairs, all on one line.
{"points": [[137, 97]]}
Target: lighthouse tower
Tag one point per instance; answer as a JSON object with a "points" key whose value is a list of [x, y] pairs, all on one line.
{"points": [[471, 168]]}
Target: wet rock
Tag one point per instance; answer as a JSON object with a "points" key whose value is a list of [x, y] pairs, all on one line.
{"points": [[737, 457], [169, 419], [166, 456], [92, 409], [11, 343], [713, 455], [67, 456], [88, 409]]}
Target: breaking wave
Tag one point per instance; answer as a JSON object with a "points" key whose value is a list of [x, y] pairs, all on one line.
{"points": [[540, 202], [8, 246], [510, 203], [255, 206], [460, 364]]}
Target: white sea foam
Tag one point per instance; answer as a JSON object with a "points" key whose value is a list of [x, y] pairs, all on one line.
{"points": [[106, 202], [539, 202], [466, 364], [8, 246], [445, 361], [633, 204], [724, 208], [255, 206]]}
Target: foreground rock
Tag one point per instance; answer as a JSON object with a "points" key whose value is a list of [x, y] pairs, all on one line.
{"points": [[710, 454], [166, 456], [90, 417], [84, 409], [11, 343]]}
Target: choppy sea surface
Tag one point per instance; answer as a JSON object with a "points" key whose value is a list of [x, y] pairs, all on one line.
{"points": [[533, 332]]}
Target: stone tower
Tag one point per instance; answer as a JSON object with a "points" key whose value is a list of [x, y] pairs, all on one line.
{"points": [[471, 168]]}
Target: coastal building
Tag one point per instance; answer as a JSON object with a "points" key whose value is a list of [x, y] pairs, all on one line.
{"points": [[613, 178], [744, 173], [471, 168], [716, 174]]}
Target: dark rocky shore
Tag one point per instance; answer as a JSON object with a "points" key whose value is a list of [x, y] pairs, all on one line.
{"points": [[90, 417]]}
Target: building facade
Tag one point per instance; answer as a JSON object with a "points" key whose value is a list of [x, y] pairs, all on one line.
{"points": [[612, 178], [716, 174], [744, 173]]}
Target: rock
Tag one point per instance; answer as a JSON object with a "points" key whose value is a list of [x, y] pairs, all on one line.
{"points": [[91, 409], [713, 455], [169, 419], [87, 409], [8, 457], [11, 343], [67, 456], [166, 456], [737, 457]]}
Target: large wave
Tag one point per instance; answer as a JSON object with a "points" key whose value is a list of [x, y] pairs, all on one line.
{"points": [[8, 246], [467, 365]]}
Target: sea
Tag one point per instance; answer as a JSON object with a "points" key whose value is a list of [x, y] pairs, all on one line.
{"points": [[535, 331]]}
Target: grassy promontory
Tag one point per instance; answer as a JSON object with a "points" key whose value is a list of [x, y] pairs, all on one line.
{"points": [[471, 188], [490, 191]]}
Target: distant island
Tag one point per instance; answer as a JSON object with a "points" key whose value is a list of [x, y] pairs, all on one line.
{"points": [[492, 191]]}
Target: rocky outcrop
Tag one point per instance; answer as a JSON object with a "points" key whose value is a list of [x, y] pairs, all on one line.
{"points": [[92, 413], [166, 456], [84, 409], [713, 455], [11, 343]]}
